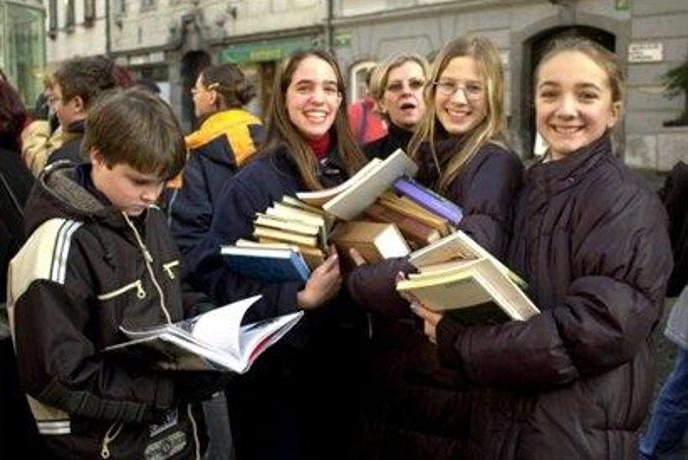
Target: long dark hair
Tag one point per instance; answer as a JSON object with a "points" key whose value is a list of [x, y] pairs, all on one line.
{"points": [[281, 132], [13, 117]]}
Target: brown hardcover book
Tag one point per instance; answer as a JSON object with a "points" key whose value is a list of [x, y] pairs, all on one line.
{"points": [[373, 240], [408, 208], [412, 229]]}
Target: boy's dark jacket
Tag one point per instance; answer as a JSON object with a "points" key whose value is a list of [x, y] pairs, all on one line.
{"points": [[83, 272]]}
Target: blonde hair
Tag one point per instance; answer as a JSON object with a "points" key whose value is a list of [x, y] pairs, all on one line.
{"points": [[491, 129], [380, 76]]}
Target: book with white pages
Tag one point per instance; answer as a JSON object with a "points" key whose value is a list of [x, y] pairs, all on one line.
{"points": [[214, 340]]}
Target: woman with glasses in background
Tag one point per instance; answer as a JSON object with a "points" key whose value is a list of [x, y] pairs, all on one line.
{"points": [[397, 87], [462, 152]]}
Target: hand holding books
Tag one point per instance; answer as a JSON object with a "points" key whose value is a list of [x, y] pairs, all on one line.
{"points": [[323, 284]]}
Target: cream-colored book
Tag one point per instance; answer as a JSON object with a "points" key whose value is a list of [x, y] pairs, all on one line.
{"points": [[459, 245], [373, 240], [287, 237], [472, 290], [286, 225], [349, 199]]}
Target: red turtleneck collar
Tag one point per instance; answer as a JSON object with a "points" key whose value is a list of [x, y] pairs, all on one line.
{"points": [[321, 145]]}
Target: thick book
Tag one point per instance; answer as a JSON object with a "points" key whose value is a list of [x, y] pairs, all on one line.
{"points": [[405, 206], [214, 340], [268, 264], [373, 240], [474, 290], [313, 256], [429, 199], [458, 246], [350, 199], [412, 229]]}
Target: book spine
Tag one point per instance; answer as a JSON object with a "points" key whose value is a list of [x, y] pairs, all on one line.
{"points": [[409, 227], [429, 200]]}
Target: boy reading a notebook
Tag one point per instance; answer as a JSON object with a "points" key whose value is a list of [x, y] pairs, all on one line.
{"points": [[99, 256]]}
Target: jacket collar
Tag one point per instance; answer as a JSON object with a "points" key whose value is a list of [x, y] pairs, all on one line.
{"points": [[571, 168], [219, 123]]}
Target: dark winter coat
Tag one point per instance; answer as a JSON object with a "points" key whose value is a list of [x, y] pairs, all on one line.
{"points": [[298, 401], [70, 150], [418, 409], [396, 138], [222, 144], [15, 184], [85, 271], [575, 381]]}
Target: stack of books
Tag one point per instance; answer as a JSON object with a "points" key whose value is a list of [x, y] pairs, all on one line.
{"points": [[458, 275], [290, 241]]}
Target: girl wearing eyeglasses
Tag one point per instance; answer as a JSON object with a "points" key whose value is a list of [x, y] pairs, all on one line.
{"points": [[227, 137], [298, 401], [461, 147], [397, 88]]}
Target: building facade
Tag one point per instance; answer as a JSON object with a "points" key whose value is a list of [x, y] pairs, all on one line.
{"points": [[169, 41], [649, 35], [22, 46]]}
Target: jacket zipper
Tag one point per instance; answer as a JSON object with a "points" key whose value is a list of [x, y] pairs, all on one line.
{"points": [[168, 268], [108, 438], [148, 259], [138, 285]]}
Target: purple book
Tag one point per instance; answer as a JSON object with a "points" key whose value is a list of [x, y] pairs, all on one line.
{"points": [[429, 199]]}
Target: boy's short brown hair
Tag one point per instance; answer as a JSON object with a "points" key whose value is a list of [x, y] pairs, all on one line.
{"points": [[85, 77], [138, 129]]}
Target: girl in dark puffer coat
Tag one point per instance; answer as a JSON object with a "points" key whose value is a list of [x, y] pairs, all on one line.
{"points": [[575, 381]]}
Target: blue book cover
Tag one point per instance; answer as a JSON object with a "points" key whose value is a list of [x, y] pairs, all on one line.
{"points": [[268, 264], [428, 199]]}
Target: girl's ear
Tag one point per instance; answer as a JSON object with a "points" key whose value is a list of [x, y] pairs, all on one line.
{"points": [[614, 114]]}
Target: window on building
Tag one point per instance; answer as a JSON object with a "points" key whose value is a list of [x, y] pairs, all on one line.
{"points": [[70, 17], [359, 77], [52, 18], [89, 12], [119, 7], [147, 5]]}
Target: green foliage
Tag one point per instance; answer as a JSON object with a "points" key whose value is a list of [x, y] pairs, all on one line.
{"points": [[676, 80]]}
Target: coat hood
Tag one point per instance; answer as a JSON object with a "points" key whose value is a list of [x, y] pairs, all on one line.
{"points": [[56, 194]]}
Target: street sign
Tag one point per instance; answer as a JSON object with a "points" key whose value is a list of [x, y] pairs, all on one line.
{"points": [[646, 52]]}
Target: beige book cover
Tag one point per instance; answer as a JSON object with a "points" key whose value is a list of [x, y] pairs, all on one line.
{"points": [[459, 245], [320, 197], [469, 284], [374, 240], [286, 225], [285, 236]]}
